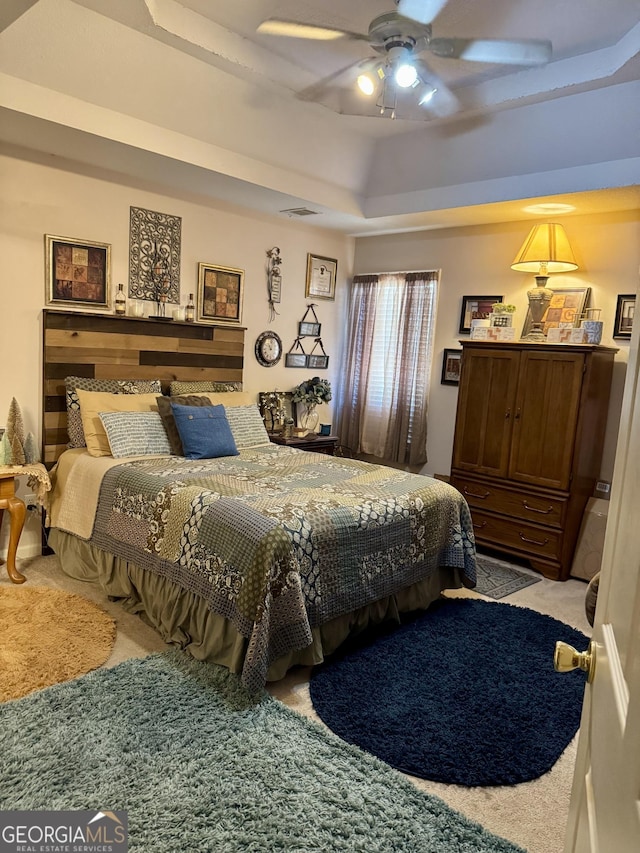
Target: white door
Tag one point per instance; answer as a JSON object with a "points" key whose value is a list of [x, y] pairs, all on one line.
{"points": [[604, 815]]}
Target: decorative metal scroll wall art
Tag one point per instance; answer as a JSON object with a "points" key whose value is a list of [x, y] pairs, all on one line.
{"points": [[154, 257], [274, 280]]}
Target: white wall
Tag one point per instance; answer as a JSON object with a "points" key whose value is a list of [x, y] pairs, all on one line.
{"points": [[585, 141], [41, 198], [45, 196], [476, 260]]}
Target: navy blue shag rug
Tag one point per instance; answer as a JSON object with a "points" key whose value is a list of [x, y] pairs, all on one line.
{"points": [[465, 693]]}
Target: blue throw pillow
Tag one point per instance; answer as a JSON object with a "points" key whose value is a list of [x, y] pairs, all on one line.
{"points": [[204, 431]]}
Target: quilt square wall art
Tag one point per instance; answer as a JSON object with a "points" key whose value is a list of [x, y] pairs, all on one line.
{"points": [[77, 273]]}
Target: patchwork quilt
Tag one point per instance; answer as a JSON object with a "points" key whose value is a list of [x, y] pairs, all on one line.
{"points": [[278, 540]]}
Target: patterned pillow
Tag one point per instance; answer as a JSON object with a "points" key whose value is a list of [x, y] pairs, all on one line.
{"points": [[92, 403], [247, 426], [135, 434], [111, 386], [177, 387], [204, 431], [169, 422]]}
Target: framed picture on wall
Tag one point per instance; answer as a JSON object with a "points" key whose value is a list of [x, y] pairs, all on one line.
{"points": [[625, 310], [451, 362], [219, 294], [321, 277], [295, 359], [78, 273], [475, 308], [306, 330]]}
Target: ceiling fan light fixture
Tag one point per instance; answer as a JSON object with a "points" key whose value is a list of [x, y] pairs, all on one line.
{"points": [[366, 84], [405, 75]]}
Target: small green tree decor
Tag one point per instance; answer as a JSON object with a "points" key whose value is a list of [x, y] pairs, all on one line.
{"points": [[15, 448]]}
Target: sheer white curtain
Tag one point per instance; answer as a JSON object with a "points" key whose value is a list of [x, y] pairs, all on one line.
{"points": [[384, 390]]}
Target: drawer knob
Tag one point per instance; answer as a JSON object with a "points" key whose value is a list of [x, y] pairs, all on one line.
{"points": [[533, 541], [479, 526], [476, 494], [535, 509]]}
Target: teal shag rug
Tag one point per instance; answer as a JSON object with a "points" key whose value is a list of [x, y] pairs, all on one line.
{"points": [[200, 765]]}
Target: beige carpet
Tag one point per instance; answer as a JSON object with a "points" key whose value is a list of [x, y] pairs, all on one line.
{"points": [[48, 636], [532, 814]]}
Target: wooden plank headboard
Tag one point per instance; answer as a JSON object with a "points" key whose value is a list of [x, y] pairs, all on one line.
{"points": [[102, 346]]}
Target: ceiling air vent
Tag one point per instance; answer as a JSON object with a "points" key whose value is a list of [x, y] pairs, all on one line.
{"points": [[300, 211]]}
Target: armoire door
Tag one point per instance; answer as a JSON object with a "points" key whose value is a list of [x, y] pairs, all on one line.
{"points": [[544, 422], [485, 411]]}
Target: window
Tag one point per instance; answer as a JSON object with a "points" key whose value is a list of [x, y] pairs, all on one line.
{"points": [[384, 390]]}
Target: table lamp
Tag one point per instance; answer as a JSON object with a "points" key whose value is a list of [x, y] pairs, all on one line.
{"points": [[545, 251]]}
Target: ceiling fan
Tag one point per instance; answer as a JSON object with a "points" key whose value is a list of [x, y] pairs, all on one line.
{"points": [[401, 38]]}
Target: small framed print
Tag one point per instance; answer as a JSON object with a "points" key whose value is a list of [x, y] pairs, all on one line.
{"points": [[321, 277], [475, 308], [451, 362], [318, 362], [565, 311], [625, 310], [219, 294], [306, 330], [78, 273], [295, 359]]}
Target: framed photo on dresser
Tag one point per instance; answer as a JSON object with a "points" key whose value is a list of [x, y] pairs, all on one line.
{"points": [[475, 308]]}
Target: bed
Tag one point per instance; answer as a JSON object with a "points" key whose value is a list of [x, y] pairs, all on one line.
{"points": [[258, 561]]}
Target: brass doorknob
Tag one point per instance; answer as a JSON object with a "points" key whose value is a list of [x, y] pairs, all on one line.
{"points": [[567, 658]]}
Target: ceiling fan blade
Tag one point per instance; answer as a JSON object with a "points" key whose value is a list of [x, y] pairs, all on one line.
{"points": [[299, 30], [504, 51], [349, 72], [443, 101], [423, 11]]}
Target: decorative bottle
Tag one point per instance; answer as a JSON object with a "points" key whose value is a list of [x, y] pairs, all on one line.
{"points": [[121, 301], [190, 310]]}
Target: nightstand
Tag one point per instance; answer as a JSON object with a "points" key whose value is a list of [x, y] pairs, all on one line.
{"points": [[317, 444], [39, 480]]}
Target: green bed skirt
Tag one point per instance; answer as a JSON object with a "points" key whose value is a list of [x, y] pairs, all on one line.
{"points": [[183, 618]]}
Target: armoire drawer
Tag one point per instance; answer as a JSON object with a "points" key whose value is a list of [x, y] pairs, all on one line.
{"points": [[519, 504], [514, 534]]}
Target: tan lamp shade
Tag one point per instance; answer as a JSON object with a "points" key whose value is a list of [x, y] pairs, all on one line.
{"points": [[546, 250]]}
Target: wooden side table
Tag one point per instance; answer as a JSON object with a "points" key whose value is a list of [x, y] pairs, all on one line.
{"points": [[318, 443], [17, 510]]}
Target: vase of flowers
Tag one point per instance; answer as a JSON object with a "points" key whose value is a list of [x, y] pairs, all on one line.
{"points": [[309, 395]]}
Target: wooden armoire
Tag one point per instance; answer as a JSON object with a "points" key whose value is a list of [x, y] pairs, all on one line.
{"points": [[529, 433]]}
